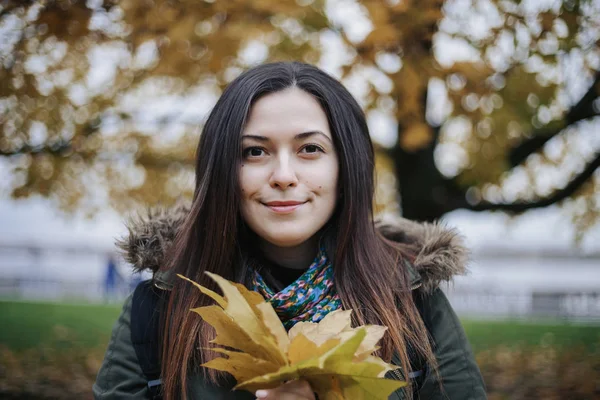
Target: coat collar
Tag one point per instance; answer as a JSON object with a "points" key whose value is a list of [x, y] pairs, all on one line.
{"points": [[439, 251]]}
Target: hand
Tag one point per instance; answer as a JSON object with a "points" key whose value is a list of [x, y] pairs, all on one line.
{"points": [[292, 390]]}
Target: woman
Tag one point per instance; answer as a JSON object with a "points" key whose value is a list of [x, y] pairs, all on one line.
{"points": [[284, 199]]}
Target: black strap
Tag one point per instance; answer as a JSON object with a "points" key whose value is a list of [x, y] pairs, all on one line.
{"points": [[145, 333]]}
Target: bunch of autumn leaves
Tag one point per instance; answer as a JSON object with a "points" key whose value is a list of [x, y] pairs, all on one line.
{"points": [[333, 357]]}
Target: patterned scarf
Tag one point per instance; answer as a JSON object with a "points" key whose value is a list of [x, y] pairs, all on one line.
{"points": [[309, 298]]}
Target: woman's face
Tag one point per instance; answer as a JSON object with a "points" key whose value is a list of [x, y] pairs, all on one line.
{"points": [[289, 173]]}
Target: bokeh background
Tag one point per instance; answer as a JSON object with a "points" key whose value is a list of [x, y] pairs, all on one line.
{"points": [[484, 114]]}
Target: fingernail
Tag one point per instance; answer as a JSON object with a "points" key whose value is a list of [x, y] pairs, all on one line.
{"points": [[261, 394]]}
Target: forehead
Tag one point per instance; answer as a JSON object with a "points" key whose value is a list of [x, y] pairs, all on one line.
{"points": [[288, 111]]}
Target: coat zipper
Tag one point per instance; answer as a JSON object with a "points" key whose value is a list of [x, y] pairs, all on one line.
{"points": [[397, 374], [398, 394]]}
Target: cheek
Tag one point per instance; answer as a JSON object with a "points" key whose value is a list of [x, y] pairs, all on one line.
{"points": [[325, 181], [249, 181]]}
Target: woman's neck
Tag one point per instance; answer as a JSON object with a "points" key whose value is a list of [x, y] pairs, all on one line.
{"points": [[295, 257]]}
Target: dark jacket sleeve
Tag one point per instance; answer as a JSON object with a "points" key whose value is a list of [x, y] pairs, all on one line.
{"points": [[458, 371], [120, 376]]}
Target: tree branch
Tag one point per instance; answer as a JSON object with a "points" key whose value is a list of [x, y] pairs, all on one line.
{"points": [[147, 160], [12, 5], [61, 148], [559, 195], [582, 110]]}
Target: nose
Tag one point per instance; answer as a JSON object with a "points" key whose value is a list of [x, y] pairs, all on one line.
{"points": [[283, 175]]}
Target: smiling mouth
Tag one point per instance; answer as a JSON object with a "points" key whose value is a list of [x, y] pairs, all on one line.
{"points": [[284, 207]]}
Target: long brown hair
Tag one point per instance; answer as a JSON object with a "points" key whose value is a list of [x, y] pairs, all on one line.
{"points": [[368, 270]]}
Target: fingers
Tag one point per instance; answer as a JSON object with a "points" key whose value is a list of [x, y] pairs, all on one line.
{"points": [[292, 390]]}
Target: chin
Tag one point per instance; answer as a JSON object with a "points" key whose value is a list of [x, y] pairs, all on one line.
{"points": [[287, 240]]}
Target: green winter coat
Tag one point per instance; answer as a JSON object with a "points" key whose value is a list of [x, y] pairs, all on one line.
{"points": [[441, 257]]}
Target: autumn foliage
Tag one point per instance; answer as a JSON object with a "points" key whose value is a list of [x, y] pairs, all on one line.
{"points": [[487, 102], [259, 353]]}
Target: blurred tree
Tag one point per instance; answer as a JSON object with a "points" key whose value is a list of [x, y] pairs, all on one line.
{"points": [[494, 101]]}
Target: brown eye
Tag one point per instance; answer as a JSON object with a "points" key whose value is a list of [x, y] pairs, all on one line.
{"points": [[311, 149], [253, 152]]}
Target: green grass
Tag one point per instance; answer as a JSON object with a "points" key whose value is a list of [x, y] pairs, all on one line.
{"points": [[488, 334], [29, 324], [25, 325]]}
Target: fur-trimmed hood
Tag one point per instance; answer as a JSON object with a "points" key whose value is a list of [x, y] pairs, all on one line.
{"points": [[441, 253]]}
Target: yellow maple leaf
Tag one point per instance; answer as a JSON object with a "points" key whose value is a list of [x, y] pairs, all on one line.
{"points": [[302, 348], [337, 324], [237, 308], [333, 357], [331, 325]]}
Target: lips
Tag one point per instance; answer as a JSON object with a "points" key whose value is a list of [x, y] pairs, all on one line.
{"points": [[284, 203], [284, 207]]}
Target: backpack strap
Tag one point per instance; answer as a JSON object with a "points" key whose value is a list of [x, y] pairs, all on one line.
{"points": [[145, 333]]}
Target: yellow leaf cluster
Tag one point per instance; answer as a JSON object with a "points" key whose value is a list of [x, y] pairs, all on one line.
{"points": [[333, 357]]}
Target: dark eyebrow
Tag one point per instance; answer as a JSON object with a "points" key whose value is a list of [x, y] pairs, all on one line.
{"points": [[256, 137], [299, 136], [305, 135]]}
